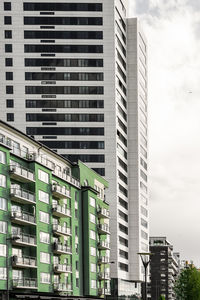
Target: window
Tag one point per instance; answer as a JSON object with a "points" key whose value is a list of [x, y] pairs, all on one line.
{"points": [[93, 268], [10, 117], [44, 257], [8, 48], [8, 62], [64, 90], [67, 76], [123, 241], [92, 218], [3, 204], [45, 278], [63, 21], [3, 274], [143, 187], [77, 282], [143, 163], [9, 75], [62, 6], [9, 89], [44, 217], [123, 228], [2, 180], [43, 176], [44, 237], [123, 216], [123, 267], [143, 200], [2, 157], [8, 34], [144, 235], [7, 5], [43, 34], [92, 202], [143, 175], [74, 144], [123, 254], [93, 235], [93, 284], [2, 250], [9, 103], [144, 211], [143, 151], [144, 223], [93, 251], [63, 48], [43, 196], [123, 203], [3, 227], [7, 20], [65, 117], [60, 62]]}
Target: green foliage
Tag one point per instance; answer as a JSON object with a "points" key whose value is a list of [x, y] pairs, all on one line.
{"points": [[162, 297], [188, 285]]}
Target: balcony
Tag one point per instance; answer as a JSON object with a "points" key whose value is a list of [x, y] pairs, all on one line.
{"points": [[24, 262], [103, 245], [104, 276], [60, 191], [59, 268], [103, 213], [22, 196], [107, 291], [62, 287], [103, 260], [61, 211], [24, 239], [103, 229], [61, 230], [25, 283], [101, 291], [67, 178], [21, 174], [23, 218], [61, 249]]}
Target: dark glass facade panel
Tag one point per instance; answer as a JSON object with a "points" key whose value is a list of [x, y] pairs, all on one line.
{"points": [[60, 62], [65, 131], [9, 75], [123, 228], [88, 158], [8, 48], [7, 5], [100, 171], [123, 216], [9, 103], [123, 165], [74, 144], [8, 34], [65, 90], [123, 203], [40, 34], [122, 113], [122, 138], [65, 117], [64, 103], [63, 48], [8, 62], [123, 241], [122, 126], [123, 177], [34, 6], [7, 20], [64, 76], [10, 117], [123, 267], [63, 21], [9, 89], [123, 190]]}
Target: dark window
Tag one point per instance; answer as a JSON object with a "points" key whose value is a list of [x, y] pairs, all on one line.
{"points": [[9, 103], [7, 5], [33, 34], [8, 48], [8, 62], [74, 144], [123, 190], [123, 203], [62, 6], [9, 89], [92, 158], [71, 90], [65, 117], [9, 75], [63, 48], [122, 164], [65, 131], [10, 117], [123, 254], [64, 103], [123, 75], [123, 216], [123, 267], [122, 126], [122, 112], [122, 138], [7, 20], [123, 228], [121, 60], [64, 76], [60, 62], [121, 46], [123, 241], [100, 171], [123, 177], [63, 21], [8, 34]]}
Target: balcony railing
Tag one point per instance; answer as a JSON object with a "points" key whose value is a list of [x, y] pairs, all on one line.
{"points": [[61, 230], [103, 260], [60, 191], [62, 287], [24, 239], [25, 261], [22, 174], [103, 213], [103, 245], [28, 283], [23, 217], [61, 211], [104, 229], [22, 196], [61, 249], [60, 268], [67, 178], [104, 276]]}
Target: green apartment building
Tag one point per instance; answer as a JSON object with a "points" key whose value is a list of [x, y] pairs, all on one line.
{"points": [[54, 223]]}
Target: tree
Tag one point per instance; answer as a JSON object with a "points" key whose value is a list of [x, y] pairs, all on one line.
{"points": [[162, 297], [187, 286]]}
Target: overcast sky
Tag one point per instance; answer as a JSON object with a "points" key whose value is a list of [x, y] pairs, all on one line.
{"points": [[172, 28]]}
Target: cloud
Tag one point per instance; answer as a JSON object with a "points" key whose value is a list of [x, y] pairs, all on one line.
{"points": [[172, 29]]}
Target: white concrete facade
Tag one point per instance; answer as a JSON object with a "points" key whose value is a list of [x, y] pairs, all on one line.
{"points": [[125, 113]]}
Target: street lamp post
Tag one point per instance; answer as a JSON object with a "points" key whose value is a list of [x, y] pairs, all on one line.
{"points": [[145, 257]]}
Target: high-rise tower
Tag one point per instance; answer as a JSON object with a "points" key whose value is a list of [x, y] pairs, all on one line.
{"points": [[74, 76]]}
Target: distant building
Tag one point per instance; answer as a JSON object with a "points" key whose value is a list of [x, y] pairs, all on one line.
{"points": [[164, 268]]}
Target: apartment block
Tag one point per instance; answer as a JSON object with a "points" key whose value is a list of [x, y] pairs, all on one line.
{"points": [[164, 268], [74, 76], [54, 223]]}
